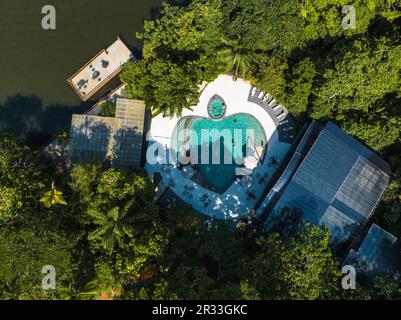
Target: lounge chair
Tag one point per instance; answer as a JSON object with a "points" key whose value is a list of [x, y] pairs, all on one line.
{"points": [[282, 115], [272, 103], [267, 98]]}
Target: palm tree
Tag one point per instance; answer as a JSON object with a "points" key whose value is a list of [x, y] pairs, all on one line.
{"points": [[236, 57], [97, 289], [53, 197], [113, 225]]}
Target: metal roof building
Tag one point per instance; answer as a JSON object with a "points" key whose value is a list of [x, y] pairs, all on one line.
{"points": [[379, 255], [119, 139], [337, 183]]}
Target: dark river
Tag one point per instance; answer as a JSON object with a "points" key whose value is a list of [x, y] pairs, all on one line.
{"points": [[35, 98]]}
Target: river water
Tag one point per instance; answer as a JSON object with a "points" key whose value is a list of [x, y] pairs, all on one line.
{"points": [[35, 98]]}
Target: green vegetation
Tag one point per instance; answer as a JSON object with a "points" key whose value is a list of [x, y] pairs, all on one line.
{"points": [[53, 197], [101, 229], [178, 54], [107, 109], [111, 241], [236, 58], [298, 52], [295, 50]]}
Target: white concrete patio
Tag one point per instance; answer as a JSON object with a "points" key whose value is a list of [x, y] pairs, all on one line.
{"points": [[235, 202]]}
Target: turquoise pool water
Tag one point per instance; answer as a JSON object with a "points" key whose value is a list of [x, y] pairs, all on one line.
{"points": [[232, 132], [216, 109]]}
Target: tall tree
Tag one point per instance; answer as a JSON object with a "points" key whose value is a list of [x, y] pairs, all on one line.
{"points": [[236, 58], [370, 107], [53, 197], [178, 55], [323, 18], [23, 254], [297, 267]]}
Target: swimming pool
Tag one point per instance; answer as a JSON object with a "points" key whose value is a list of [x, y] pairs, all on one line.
{"points": [[216, 107], [201, 136]]}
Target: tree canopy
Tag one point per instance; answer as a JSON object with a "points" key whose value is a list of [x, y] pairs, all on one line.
{"points": [[100, 227]]}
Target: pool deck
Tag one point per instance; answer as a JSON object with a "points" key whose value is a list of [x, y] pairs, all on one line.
{"points": [[100, 70], [235, 202]]}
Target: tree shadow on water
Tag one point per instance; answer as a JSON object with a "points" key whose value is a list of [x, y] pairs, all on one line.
{"points": [[28, 117]]}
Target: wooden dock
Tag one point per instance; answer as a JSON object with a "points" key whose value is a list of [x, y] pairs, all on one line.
{"points": [[100, 69]]}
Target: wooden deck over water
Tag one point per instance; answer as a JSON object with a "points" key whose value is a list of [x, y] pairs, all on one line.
{"points": [[100, 70]]}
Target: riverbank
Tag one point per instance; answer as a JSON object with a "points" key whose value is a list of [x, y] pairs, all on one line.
{"points": [[35, 99]]}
